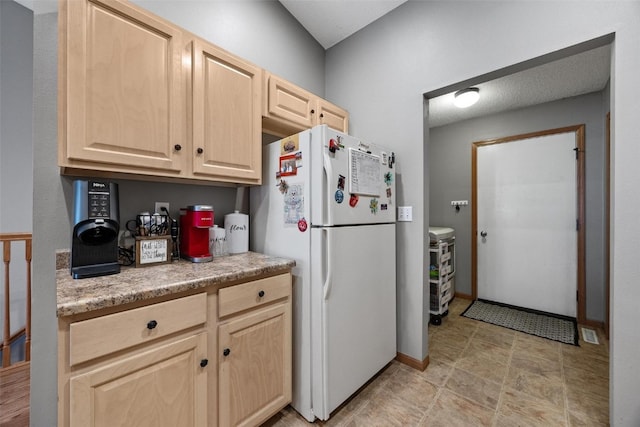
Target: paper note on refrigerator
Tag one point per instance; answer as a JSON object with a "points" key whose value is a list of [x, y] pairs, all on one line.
{"points": [[294, 204], [364, 173]]}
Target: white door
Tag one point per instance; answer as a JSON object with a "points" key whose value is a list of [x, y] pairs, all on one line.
{"points": [[526, 223], [353, 310]]}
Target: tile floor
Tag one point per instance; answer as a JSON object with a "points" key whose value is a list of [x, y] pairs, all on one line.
{"points": [[482, 375]]}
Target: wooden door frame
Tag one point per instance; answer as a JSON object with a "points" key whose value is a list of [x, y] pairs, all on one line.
{"points": [[580, 193]]}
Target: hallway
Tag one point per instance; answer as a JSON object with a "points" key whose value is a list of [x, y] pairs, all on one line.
{"points": [[483, 375]]}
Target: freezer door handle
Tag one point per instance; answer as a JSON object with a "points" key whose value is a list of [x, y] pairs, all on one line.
{"points": [[328, 173], [329, 279]]}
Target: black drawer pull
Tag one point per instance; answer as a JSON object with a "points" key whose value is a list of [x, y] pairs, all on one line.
{"points": [[261, 294], [200, 150], [226, 352], [177, 147], [204, 362], [152, 324]]}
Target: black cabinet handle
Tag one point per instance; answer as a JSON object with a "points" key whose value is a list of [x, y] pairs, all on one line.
{"points": [[321, 115], [313, 111], [200, 150], [177, 147], [204, 362], [226, 352], [261, 294], [152, 324]]}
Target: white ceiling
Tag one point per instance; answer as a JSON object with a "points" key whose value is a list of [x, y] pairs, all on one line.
{"points": [[331, 21], [571, 76]]}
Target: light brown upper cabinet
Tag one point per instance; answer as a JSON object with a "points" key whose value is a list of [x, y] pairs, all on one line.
{"points": [[226, 115], [332, 115], [140, 96], [288, 109], [121, 105]]}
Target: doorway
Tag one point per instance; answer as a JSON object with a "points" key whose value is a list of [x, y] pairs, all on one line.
{"points": [[527, 208], [449, 160]]}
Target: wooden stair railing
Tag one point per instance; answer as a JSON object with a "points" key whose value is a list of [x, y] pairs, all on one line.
{"points": [[7, 239]]}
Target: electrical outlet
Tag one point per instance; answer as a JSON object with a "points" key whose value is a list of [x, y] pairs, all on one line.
{"points": [[159, 206], [405, 213]]}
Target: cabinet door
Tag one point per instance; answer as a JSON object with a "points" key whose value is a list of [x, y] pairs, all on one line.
{"points": [[289, 102], [227, 120], [333, 116], [166, 386], [255, 373], [121, 83]]}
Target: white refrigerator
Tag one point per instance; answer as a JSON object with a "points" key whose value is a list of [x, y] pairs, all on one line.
{"points": [[328, 201]]}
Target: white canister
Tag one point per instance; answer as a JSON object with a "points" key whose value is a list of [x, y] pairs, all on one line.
{"points": [[236, 226], [217, 241]]}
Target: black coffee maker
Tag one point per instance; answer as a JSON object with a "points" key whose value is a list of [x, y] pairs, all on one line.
{"points": [[96, 219]]}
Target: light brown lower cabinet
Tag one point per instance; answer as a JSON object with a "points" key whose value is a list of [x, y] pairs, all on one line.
{"points": [[254, 366], [220, 357], [163, 387], [254, 350]]}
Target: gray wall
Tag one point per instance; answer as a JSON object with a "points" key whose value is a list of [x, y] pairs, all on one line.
{"points": [[50, 222], [450, 179], [16, 103], [16, 148], [248, 30], [380, 74]]}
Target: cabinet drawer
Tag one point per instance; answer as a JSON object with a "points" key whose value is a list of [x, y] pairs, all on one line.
{"points": [[253, 294], [103, 335]]}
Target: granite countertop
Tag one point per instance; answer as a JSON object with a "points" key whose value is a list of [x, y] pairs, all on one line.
{"points": [[137, 284]]}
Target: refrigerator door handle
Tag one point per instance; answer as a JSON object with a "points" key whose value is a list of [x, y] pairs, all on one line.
{"points": [[329, 277], [328, 174]]}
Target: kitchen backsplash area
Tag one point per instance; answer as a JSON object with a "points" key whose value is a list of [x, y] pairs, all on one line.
{"points": [[140, 196]]}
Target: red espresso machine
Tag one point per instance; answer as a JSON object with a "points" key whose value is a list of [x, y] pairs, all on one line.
{"points": [[195, 222]]}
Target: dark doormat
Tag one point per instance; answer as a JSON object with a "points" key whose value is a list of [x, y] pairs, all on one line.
{"points": [[533, 322]]}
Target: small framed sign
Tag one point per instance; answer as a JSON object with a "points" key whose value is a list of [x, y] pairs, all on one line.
{"points": [[153, 250]]}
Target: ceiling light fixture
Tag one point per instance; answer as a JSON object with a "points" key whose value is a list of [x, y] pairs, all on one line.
{"points": [[466, 97]]}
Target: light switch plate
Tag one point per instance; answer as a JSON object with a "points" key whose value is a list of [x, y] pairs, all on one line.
{"points": [[405, 213]]}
